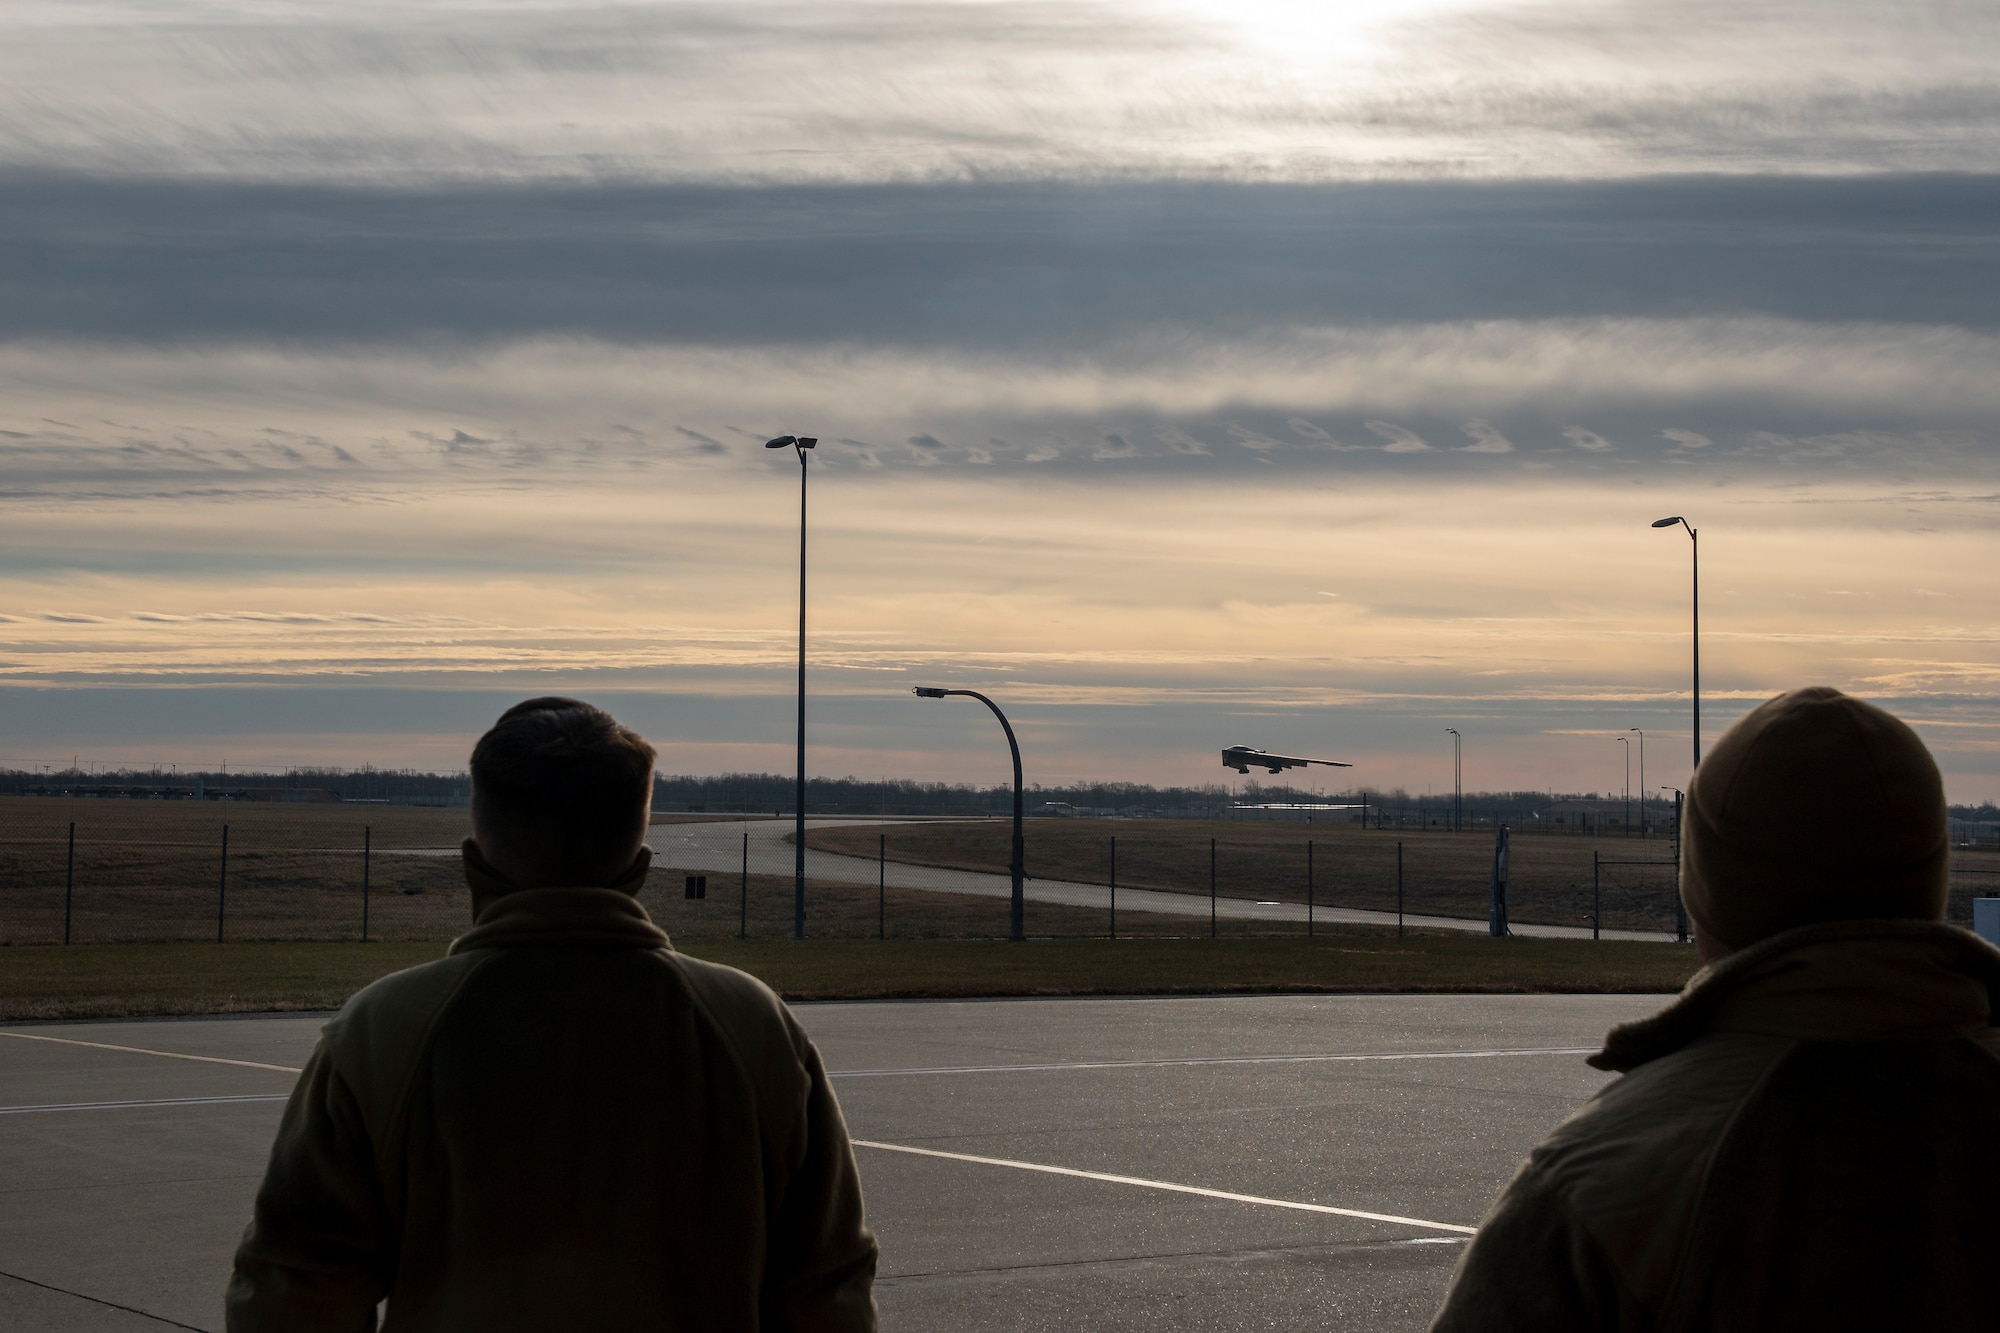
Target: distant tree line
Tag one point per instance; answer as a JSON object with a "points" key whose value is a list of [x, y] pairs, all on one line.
{"points": [[763, 793], [390, 786]]}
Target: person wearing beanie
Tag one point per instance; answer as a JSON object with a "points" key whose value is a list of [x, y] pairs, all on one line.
{"points": [[563, 1123], [1809, 1136]]}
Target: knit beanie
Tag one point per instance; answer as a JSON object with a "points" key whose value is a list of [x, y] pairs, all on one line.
{"points": [[1815, 807]]}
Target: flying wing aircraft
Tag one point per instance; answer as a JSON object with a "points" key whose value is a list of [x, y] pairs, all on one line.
{"points": [[1242, 757]]}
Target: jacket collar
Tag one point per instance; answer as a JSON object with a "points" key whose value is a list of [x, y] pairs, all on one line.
{"points": [[1839, 980], [600, 918]]}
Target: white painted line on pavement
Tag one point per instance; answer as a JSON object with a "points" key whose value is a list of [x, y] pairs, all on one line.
{"points": [[1189, 1061], [1172, 1187], [141, 1050], [1217, 1060], [129, 1106]]}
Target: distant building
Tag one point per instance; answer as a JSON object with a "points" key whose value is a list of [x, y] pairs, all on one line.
{"points": [[1583, 814], [1302, 811]]}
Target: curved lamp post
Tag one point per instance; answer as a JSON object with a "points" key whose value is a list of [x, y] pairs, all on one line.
{"points": [[1015, 861], [800, 443], [1695, 602]]}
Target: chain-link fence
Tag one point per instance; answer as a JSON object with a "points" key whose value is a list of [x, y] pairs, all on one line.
{"points": [[1273, 878], [90, 870]]}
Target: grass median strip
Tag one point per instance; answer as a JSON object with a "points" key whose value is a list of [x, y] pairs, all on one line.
{"points": [[121, 980]]}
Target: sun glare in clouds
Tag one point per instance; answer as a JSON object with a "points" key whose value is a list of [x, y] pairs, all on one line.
{"points": [[1318, 31]]}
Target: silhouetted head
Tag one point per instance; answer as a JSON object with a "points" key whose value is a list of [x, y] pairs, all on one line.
{"points": [[1815, 807], [560, 794]]}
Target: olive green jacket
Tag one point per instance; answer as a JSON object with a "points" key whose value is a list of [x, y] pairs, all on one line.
{"points": [[1809, 1138], [563, 1124]]}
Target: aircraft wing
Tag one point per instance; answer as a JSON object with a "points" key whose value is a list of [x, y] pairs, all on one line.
{"points": [[1242, 758]]}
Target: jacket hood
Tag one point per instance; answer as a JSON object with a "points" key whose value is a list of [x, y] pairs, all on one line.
{"points": [[600, 918], [1839, 980]]}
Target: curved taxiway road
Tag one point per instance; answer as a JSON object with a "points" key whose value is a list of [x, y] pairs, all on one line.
{"points": [[718, 848]]}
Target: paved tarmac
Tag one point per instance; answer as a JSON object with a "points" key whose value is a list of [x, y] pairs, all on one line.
{"points": [[1356, 1139], [718, 848]]}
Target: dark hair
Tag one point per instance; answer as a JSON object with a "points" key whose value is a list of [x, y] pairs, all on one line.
{"points": [[561, 789]]}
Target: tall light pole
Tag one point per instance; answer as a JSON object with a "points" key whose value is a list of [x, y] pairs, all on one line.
{"points": [[799, 443], [1016, 861], [1642, 778], [1680, 903], [1457, 788], [1695, 602], [1626, 741]]}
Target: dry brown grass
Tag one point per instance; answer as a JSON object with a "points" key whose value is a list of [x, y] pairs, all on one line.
{"points": [[116, 980], [1443, 873], [151, 871], [850, 911]]}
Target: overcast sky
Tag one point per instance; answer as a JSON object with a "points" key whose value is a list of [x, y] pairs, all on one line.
{"points": [[1296, 375]]}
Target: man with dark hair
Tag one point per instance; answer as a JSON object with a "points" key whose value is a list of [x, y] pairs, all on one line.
{"points": [[563, 1124], [1809, 1137]]}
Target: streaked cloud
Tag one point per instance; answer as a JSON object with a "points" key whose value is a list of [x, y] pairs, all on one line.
{"points": [[1401, 439], [1587, 440], [1063, 269], [273, 89], [187, 420], [1201, 595]]}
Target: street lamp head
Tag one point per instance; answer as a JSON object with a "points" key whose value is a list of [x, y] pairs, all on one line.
{"points": [[784, 441], [1668, 522], [928, 692], [808, 442]]}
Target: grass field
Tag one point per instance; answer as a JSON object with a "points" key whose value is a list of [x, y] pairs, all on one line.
{"points": [[120, 980], [154, 871], [1550, 875]]}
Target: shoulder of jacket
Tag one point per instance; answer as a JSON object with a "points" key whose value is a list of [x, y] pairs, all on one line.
{"points": [[731, 997], [1632, 1166], [753, 1022], [1659, 1110], [377, 1039]]}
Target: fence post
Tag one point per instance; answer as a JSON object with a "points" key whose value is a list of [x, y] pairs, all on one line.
{"points": [[222, 886], [1114, 886], [1399, 890], [367, 838], [69, 879], [1596, 899], [1211, 888], [743, 917], [881, 886], [1309, 888]]}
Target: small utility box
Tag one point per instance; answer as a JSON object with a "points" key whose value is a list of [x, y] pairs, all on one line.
{"points": [[1986, 919], [697, 886]]}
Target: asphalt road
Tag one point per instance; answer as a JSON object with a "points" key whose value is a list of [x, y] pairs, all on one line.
{"points": [[126, 1175], [718, 848]]}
